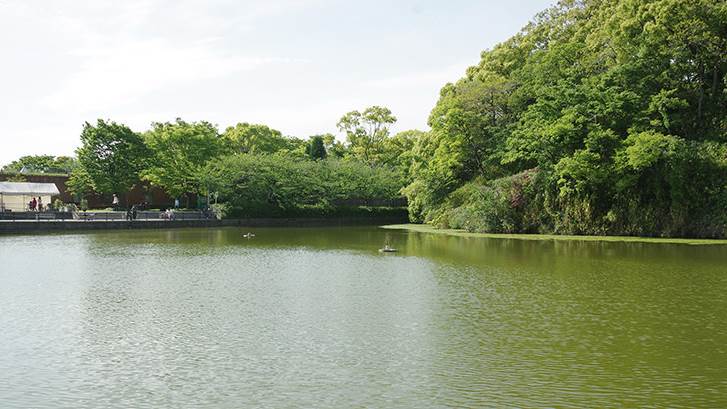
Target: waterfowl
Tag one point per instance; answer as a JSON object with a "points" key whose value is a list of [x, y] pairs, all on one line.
{"points": [[248, 235]]}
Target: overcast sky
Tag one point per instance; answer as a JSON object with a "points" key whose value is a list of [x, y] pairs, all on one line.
{"points": [[295, 65]]}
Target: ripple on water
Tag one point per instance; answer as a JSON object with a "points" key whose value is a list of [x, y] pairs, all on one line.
{"points": [[317, 318]]}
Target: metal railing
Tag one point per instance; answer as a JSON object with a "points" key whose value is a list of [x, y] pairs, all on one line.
{"points": [[107, 216]]}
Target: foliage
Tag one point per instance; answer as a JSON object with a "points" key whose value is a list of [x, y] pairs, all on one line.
{"points": [[41, 164], [333, 147], [17, 178], [111, 155], [180, 150], [316, 148], [397, 151], [505, 205], [268, 185], [220, 210], [616, 108], [258, 139], [327, 211], [79, 182], [366, 132]]}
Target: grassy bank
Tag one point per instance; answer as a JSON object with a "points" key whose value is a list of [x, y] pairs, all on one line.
{"points": [[423, 228]]}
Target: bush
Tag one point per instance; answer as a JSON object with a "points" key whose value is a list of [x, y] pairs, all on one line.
{"points": [[220, 210], [322, 211], [503, 205], [276, 186]]}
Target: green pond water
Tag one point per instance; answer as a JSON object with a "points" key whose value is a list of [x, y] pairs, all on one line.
{"points": [[319, 318]]}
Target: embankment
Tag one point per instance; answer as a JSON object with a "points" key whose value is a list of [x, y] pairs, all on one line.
{"points": [[45, 226]]}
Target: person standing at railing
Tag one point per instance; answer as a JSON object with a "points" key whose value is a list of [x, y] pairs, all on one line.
{"points": [[115, 202], [40, 204]]}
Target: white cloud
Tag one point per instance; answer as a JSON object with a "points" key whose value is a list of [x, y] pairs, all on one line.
{"points": [[115, 76], [120, 62]]}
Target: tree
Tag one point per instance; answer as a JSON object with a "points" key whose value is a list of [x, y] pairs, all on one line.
{"points": [[112, 155], [65, 163], [366, 132], [316, 148], [267, 185], [180, 150], [256, 139], [37, 163], [599, 117], [41, 164], [334, 148], [397, 151], [79, 183]]}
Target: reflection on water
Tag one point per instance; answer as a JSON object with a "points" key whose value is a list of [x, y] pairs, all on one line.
{"points": [[318, 318]]}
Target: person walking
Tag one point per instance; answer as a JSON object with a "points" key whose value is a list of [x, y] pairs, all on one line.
{"points": [[115, 202], [176, 203], [40, 204]]}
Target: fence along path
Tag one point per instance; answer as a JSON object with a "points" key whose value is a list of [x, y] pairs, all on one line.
{"points": [[103, 216]]}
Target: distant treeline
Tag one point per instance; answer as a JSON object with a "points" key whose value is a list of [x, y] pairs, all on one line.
{"points": [[247, 170]]}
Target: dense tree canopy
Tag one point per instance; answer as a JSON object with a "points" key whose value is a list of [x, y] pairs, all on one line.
{"points": [[601, 116], [316, 148], [112, 155], [79, 182], [41, 164], [366, 132], [179, 152], [257, 139], [274, 185]]}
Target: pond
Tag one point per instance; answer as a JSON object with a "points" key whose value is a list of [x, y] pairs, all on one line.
{"points": [[317, 317]]}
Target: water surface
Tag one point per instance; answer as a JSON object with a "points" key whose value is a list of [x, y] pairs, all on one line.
{"points": [[319, 318]]}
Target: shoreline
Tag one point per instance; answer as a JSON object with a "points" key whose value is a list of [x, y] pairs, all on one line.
{"points": [[424, 228], [53, 226]]}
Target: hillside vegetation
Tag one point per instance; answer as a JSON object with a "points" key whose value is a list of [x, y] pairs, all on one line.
{"points": [[599, 117]]}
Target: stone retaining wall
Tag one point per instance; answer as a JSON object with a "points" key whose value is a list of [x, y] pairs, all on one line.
{"points": [[44, 226]]}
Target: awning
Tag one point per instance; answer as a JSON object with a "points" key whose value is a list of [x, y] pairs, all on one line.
{"points": [[28, 189]]}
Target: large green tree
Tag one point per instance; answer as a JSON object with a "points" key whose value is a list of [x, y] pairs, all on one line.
{"points": [[366, 132], [80, 183], [257, 139], [398, 151], [112, 155], [180, 150]]}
